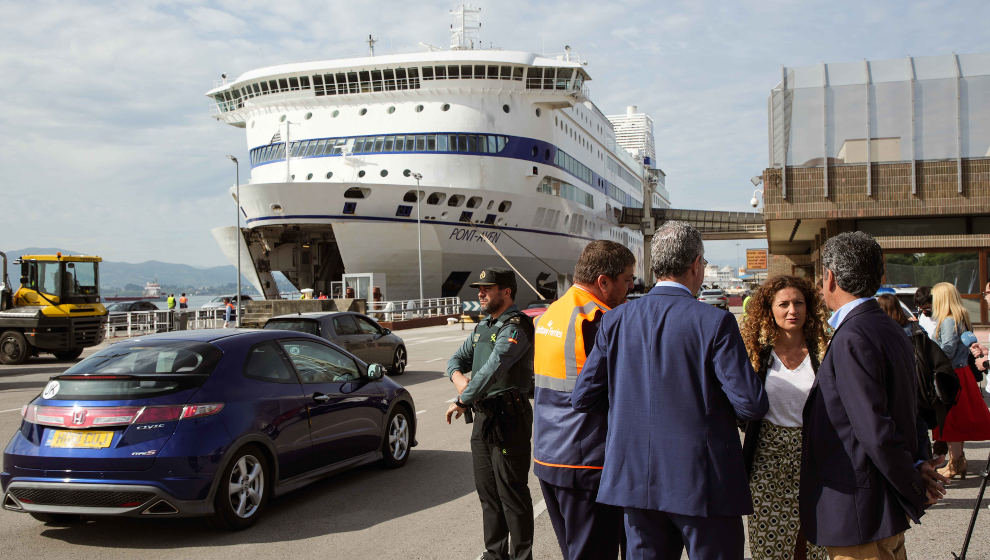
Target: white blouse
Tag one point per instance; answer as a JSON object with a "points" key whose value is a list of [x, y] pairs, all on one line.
{"points": [[787, 391]]}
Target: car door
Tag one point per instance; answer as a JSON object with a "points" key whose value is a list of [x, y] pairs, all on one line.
{"points": [[345, 408], [377, 347], [350, 337], [283, 407]]}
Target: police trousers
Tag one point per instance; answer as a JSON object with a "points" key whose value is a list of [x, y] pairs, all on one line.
{"points": [[501, 473]]}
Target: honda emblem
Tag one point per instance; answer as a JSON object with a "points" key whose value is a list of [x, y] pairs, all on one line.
{"points": [[78, 416]]}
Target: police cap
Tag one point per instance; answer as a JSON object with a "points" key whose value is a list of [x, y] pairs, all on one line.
{"points": [[495, 277]]}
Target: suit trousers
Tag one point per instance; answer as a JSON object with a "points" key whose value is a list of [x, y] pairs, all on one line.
{"points": [[501, 475], [659, 535], [585, 529], [891, 548]]}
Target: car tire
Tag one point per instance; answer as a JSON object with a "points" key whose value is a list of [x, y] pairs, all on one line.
{"points": [[399, 361], [243, 490], [398, 438], [57, 518], [68, 355], [14, 348]]}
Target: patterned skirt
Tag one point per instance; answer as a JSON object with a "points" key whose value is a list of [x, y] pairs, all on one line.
{"points": [[774, 482]]}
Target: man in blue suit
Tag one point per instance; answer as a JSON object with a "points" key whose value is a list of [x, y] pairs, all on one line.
{"points": [[861, 479], [673, 374]]}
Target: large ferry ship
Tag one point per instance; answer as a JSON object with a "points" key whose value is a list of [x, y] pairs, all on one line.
{"points": [[366, 165]]}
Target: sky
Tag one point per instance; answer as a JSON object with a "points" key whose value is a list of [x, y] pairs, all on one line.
{"points": [[108, 146]]}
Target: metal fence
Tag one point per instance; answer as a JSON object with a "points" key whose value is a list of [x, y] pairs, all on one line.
{"points": [[414, 308], [146, 322]]}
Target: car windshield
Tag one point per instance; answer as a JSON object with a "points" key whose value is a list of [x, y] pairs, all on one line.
{"points": [[119, 306], [299, 325]]}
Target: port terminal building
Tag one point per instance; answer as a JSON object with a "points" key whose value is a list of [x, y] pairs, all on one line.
{"points": [[897, 148]]}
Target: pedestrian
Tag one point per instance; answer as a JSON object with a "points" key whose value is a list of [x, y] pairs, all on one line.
{"points": [[785, 335], [923, 302], [170, 302], [860, 486], [673, 375], [499, 355], [569, 446], [183, 301], [969, 419], [228, 312]]}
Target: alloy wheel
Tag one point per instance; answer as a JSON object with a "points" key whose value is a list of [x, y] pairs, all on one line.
{"points": [[398, 437], [246, 487]]}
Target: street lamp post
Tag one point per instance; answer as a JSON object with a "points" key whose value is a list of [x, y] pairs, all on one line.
{"points": [[419, 236], [237, 211]]}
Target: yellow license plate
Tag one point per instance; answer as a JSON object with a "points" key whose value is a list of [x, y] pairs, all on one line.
{"points": [[87, 440]]}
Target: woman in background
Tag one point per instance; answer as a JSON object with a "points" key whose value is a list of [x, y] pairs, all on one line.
{"points": [[969, 419], [784, 332]]}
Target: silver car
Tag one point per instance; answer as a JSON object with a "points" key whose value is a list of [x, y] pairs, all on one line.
{"points": [[714, 297], [358, 334]]}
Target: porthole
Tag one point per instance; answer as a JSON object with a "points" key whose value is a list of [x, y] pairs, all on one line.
{"points": [[419, 108], [490, 204], [410, 196], [455, 200], [445, 107], [535, 151], [309, 116], [537, 111], [361, 173], [504, 206], [474, 202], [292, 177], [363, 111], [309, 177], [384, 173], [436, 198], [406, 173], [277, 208], [335, 113], [329, 174], [505, 108], [281, 119], [391, 110], [357, 192]]}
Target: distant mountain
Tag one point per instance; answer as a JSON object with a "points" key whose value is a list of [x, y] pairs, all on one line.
{"points": [[120, 276]]}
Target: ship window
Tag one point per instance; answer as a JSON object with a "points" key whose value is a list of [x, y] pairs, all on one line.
{"points": [[506, 72], [453, 72], [431, 143], [264, 87], [403, 211], [479, 71], [350, 207], [419, 108], [328, 83], [455, 200], [413, 77], [281, 119], [505, 108], [546, 154], [490, 219], [352, 82], [400, 78], [406, 173], [493, 72], [563, 77], [384, 173], [309, 116], [504, 206], [363, 111], [427, 72], [466, 71], [535, 151], [466, 216], [361, 173], [391, 110], [533, 78], [410, 143], [376, 78], [441, 72], [283, 84], [517, 73], [389, 141], [335, 113], [329, 174], [537, 111], [492, 148], [304, 82], [378, 144], [257, 91], [436, 198], [472, 143], [442, 143], [420, 143], [309, 177], [389, 76], [490, 204], [311, 150], [462, 143], [400, 143], [474, 202], [445, 107], [548, 78], [410, 196]]}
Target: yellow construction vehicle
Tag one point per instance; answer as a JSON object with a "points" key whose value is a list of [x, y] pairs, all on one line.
{"points": [[57, 308]]}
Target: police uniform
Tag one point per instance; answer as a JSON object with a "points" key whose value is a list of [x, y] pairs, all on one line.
{"points": [[500, 354], [569, 446]]}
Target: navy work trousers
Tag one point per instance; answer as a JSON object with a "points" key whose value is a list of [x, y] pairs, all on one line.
{"points": [[658, 535], [586, 530]]}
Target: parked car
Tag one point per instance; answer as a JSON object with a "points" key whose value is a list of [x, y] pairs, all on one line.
{"points": [[201, 423], [217, 302], [130, 306], [714, 297], [359, 334], [117, 314]]}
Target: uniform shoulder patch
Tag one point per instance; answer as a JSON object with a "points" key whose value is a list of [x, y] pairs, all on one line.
{"points": [[514, 320]]}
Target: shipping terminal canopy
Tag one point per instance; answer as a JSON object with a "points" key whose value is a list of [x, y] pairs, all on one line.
{"points": [[712, 224]]}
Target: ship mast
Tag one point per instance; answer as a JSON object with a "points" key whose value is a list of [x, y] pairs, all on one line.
{"points": [[465, 32]]}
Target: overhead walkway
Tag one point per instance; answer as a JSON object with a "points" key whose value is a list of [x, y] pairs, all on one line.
{"points": [[713, 224]]}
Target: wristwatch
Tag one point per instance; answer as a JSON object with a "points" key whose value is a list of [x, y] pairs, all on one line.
{"points": [[459, 404]]}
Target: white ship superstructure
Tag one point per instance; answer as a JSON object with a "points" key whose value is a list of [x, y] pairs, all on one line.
{"points": [[351, 158]]}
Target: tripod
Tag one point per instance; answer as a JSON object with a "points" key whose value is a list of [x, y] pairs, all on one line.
{"points": [[976, 510]]}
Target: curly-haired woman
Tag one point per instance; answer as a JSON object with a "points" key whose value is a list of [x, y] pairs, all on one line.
{"points": [[785, 336]]}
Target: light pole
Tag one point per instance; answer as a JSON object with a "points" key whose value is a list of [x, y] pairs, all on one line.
{"points": [[419, 236], [237, 210]]}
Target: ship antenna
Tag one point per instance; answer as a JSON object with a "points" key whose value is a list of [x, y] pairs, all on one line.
{"points": [[371, 44], [466, 29]]}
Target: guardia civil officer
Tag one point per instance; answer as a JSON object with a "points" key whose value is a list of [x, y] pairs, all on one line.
{"points": [[499, 353]]}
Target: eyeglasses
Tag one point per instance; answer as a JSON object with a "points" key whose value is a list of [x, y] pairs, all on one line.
{"points": [[704, 261]]}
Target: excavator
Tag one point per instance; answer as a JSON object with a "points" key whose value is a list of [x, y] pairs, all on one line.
{"points": [[56, 309]]}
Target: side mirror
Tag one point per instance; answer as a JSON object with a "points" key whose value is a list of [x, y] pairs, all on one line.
{"points": [[375, 372], [386, 331]]}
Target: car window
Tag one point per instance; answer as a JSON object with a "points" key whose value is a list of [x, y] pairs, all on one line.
{"points": [[318, 363], [344, 324], [366, 326], [711, 293], [265, 362], [308, 326]]}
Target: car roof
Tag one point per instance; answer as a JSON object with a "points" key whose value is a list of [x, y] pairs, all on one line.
{"points": [[312, 315], [199, 335]]}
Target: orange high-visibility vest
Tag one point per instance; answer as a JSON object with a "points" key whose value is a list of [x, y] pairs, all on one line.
{"points": [[558, 342]]}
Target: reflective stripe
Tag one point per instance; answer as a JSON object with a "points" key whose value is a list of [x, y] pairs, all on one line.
{"points": [[535, 460]]}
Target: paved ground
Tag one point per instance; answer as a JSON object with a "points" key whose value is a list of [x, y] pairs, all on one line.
{"points": [[427, 509]]}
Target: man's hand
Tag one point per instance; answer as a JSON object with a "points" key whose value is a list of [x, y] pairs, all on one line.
{"points": [[976, 350], [455, 411], [460, 382], [934, 482]]}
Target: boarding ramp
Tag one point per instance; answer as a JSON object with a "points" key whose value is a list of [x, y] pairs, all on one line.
{"points": [[714, 225]]}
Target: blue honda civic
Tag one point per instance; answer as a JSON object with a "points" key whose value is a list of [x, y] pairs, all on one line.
{"points": [[202, 423]]}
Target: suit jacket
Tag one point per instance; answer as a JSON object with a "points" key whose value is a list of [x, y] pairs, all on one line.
{"points": [[858, 480], [673, 374]]}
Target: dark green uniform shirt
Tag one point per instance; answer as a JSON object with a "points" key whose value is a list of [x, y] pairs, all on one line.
{"points": [[500, 355]]}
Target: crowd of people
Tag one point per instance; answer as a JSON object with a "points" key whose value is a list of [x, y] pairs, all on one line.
{"points": [[634, 431]]}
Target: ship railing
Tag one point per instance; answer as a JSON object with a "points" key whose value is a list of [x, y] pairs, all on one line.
{"points": [[414, 308], [137, 323]]}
